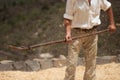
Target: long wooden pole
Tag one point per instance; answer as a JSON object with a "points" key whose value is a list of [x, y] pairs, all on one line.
{"points": [[54, 42]]}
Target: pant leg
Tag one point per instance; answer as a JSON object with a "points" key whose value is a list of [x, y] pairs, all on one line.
{"points": [[73, 51], [90, 52]]}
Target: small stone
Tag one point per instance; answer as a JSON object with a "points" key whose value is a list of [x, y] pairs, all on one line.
{"points": [[6, 61], [59, 62], [46, 56], [62, 57]]}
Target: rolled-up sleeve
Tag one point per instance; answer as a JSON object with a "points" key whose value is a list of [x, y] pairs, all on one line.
{"points": [[69, 10], [105, 4]]}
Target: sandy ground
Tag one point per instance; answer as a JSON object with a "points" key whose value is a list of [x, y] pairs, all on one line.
{"points": [[109, 71]]}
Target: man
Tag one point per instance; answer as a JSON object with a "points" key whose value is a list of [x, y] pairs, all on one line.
{"points": [[82, 17]]}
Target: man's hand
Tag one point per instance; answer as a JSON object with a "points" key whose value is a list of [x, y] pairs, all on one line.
{"points": [[112, 28], [68, 37]]}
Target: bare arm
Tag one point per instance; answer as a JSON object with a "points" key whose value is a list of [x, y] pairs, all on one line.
{"points": [[111, 26], [67, 24], [68, 17]]}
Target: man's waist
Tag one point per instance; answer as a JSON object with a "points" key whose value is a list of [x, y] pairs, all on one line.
{"points": [[82, 29]]}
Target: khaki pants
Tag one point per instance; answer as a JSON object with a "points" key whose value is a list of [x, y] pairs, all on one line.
{"points": [[89, 44]]}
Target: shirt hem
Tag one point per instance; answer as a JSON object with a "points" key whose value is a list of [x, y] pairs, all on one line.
{"points": [[68, 16]]}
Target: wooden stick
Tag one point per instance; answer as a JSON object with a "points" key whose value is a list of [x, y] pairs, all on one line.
{"points": [[54, 42]]}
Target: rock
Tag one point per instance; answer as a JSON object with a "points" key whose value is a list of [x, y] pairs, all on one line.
{"points": [[81, 61], [20, 65], [46, 63], [32, 65], [118, 57], [62, 57], [106, 59], [59, 62], [6, 61], [46, 56], [6, 67]]}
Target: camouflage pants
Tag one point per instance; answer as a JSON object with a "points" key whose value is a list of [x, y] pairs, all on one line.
{"points": [[89, 45]]}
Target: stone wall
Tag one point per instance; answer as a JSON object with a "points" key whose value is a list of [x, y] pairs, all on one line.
{"points": [[40, 64]]}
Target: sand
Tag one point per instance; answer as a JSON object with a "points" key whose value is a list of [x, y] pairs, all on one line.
{"points": [[109, 71]]}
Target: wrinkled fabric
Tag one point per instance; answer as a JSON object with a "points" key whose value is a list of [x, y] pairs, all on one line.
{"points": [[83, 15]]}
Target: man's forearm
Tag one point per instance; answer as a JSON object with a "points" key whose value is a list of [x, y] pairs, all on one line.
{"points": [[68, 26], [111, 26], [68, 29], [110, 15]]}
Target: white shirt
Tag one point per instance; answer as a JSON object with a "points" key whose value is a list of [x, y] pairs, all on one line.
{"points": [[83, 15]]}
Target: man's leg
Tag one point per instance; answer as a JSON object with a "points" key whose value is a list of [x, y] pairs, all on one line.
{"points": [[73, 51], [90, 48]]}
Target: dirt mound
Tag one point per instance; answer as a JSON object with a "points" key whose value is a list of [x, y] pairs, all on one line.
{"points": [[109, 71]]}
